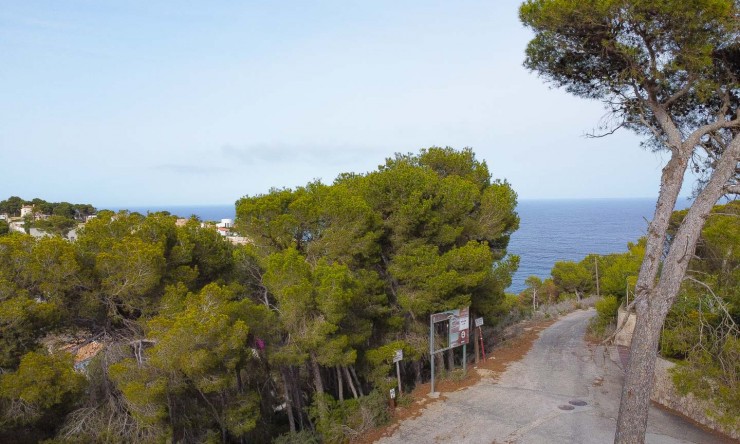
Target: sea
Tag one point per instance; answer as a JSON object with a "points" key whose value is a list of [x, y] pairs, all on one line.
{"points": [[549, 230], [570, 229]]}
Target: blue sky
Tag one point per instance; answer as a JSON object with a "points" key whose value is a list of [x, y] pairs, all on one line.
{"points": [[144, 102]]}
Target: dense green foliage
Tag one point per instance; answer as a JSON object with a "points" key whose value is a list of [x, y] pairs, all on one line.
{"points": [[572, 277], [12, 206], [701, 329], [52, 218], [606, 312], [292, 334], [355, 268], [612, 275], [650, 62]]}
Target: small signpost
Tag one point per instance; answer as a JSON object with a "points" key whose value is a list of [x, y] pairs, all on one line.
{"points": [[458, 333], [479, 324], [397, 358]]}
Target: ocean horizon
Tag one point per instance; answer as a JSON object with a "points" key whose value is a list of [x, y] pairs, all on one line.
{"points": [[550, 230], [570, 229]]}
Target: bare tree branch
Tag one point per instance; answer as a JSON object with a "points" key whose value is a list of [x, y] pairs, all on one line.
{"points": [[695, 137], [608, 133], [680, 93]]}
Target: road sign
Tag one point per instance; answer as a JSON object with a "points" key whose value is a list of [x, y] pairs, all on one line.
{"points": [[464, 322], [458, 333], [459, 327], [398, 356], [393, 393], [478, 322]]}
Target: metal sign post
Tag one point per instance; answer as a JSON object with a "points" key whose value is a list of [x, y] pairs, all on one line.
{"points": [[397, 358], [479, 324], [458, 334]]}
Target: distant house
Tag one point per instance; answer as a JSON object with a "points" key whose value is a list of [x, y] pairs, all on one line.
{"points": [[181, 222], [90, 217], [225, 223], [26, 210], [18, 226], [4, 216], [223, 231]]}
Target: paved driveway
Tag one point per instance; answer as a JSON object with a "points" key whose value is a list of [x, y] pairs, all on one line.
{"points": [[562, 391]]}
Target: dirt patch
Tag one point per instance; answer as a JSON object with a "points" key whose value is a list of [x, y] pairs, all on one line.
{"points": [[88, 351], [503, 354]]}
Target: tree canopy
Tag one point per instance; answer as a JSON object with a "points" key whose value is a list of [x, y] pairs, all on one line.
{"points": [[293, 332]]}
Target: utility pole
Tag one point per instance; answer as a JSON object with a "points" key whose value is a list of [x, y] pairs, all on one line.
{"points": [[627, 292], [596, 265]]}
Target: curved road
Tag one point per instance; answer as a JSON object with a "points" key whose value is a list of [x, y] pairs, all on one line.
{"points": [[562, 391]]}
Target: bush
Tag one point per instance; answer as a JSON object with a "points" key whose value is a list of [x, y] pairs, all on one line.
{"points": [[302, 437], [351, 418], [606, 314], [41, 392]]}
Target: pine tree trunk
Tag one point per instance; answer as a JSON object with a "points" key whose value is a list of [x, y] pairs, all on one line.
{"points": [[653, 303], [439, 362], [298, 397], [288, 402], [357, 380], [349, 381], [340, 384], [319, 385], [451, 359]]}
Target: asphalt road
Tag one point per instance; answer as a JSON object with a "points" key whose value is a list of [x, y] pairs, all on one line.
{"points": [[528, 403]]}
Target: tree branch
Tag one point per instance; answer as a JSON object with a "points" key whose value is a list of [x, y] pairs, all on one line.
{"points": [[695, 137], [608, 133], [680, 93]]}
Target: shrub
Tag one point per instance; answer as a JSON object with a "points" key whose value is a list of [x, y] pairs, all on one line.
{"points": [[302, 437], [345, 420], [606, 313]]}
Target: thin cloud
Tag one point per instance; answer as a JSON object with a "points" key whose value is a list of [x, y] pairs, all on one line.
{"points": [[282, 154], [190, 169], [35, 22]]}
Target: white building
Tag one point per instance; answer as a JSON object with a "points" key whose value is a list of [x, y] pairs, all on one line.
{"points": [[225, 223], [26, 210], [17, 226], [3, 216]]}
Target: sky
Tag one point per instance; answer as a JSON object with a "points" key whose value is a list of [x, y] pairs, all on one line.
{"points": [[183, 103]]}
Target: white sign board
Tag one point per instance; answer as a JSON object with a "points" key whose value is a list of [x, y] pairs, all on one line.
{"points": [[393, 393], [464, 322], [478, 322], [398, 356]]}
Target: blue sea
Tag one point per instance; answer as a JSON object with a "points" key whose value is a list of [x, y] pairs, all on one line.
{"points": [[570, 229], [549, 231]]}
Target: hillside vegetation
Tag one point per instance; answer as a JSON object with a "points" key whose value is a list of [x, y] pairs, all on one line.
{"points": [[290, 337]]}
